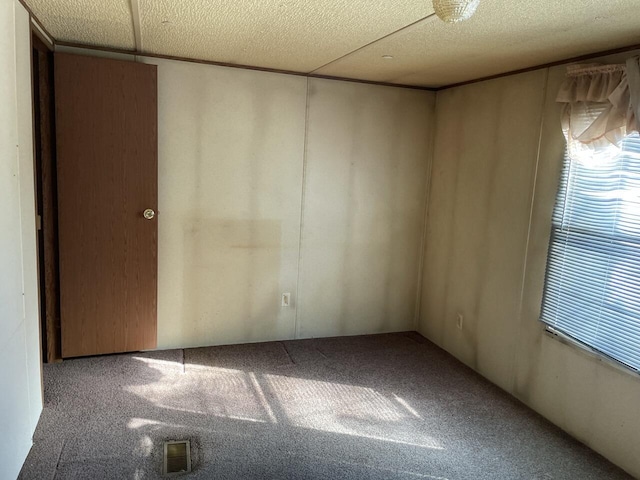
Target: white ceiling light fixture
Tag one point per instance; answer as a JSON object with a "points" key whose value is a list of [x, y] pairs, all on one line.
{"points": [[454, 11]]}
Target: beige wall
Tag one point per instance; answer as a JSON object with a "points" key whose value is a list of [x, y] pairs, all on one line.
{"points": [[272, 184], [238, 150], [231, 144], [28, 212], [364, 203], [497, 157], [21, 400]]}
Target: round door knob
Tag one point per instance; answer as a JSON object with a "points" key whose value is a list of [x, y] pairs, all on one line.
{"points": [[149, 214]]}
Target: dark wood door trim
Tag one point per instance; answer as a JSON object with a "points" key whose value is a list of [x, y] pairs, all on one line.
{"points": [[46, 196]]}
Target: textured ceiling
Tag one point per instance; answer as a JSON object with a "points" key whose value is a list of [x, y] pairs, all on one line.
{"points": [[503, 36], [348, 38], [105, 23], [298, 35]]}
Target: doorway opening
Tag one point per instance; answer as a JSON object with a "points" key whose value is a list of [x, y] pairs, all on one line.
{"points": [[46, 196]]}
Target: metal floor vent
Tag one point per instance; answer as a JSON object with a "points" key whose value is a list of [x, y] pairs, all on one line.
{"points": [[177, 457]]}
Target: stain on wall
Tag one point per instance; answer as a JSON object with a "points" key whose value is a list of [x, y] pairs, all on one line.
{"points": [[231, 145], [231, 280], [484, 164], [367, 162], [498, 153]]}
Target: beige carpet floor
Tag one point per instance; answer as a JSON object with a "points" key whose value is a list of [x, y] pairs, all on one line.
{"points": [[374, 407]]}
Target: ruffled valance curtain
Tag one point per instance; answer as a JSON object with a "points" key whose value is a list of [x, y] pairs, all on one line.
{"points": [[601, 106]]}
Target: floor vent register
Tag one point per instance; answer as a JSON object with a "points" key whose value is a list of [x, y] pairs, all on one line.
{"points": [[177, 457]]}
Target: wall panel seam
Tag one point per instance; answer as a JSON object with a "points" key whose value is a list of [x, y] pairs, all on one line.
{"points": [[297, 303], [525, 260]]}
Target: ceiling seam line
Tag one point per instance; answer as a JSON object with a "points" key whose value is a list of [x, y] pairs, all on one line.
{"points": [[135, 19], [372, 42]]}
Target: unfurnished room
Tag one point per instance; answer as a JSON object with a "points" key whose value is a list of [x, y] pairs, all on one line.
{"points": [[319, 239]]}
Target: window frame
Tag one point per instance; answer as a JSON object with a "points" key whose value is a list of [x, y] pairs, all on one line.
{"points": [[549, 330]]}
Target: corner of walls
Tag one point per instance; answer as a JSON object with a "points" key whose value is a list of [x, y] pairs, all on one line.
{"points": [[478, 222], [367, 166], [417, 323]]}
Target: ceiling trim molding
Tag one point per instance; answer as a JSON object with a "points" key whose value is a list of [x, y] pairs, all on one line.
{"points": [[135, 18], [581, 58], [243, 67], [51, 39], [42, 30], [370, 82], [37, 31]]}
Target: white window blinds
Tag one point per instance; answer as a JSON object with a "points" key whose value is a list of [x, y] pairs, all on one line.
{"points": [[592, 288]]}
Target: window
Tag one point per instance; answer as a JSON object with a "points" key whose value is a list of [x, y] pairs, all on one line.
{"points": [[592, 287]]}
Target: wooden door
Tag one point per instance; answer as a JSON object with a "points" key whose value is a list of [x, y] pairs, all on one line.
{"points": [[106, 141]]}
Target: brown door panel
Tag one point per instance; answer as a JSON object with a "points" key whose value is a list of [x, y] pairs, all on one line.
{"points": [[106, 130]]}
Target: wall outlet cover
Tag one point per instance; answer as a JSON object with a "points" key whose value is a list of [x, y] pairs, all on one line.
{"points": [[286, 299]]}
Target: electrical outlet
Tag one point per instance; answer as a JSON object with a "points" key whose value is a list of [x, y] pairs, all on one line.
{"points": [[459, 321], [286, 299]]}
